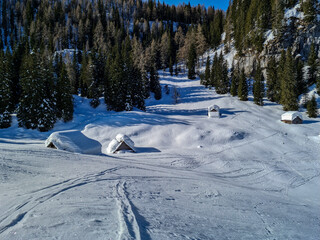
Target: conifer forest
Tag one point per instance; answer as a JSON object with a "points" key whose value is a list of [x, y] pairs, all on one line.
{"points": [[51, 50]]}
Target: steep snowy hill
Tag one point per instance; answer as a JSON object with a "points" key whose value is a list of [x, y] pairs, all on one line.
{"points": [[246, 175]]}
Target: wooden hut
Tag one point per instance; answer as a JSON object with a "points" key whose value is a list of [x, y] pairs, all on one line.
{"points": [[214, 111], [121, 143], [292, 117], [73, 141]]}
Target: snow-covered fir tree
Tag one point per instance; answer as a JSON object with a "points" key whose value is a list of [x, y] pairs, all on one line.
{"points": [[64, 99], [5, 94], [37, 106]]}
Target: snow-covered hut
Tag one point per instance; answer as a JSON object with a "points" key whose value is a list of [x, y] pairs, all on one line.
{"points": [[73, 141], [214, 111], [292, 117], [121, 143]]}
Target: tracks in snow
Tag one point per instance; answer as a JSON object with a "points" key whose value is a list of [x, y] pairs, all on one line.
{"points": [[129, 226], [132, 224], [17, 214]]}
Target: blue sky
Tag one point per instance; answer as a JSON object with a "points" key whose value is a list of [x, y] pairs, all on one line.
{"points": [[222, 4]]}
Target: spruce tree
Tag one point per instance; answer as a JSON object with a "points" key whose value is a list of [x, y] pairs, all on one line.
{"points": [[64, 97], [107, 82], [133, 78], [94, 74], [258, 87], [137, 87], [92, 82], [25, 112], [234, 80], [73, 73], [221, 76], [281, 76], [225, 77], [85, 76], [117, 95], [310, 10], [206, 79], [277, 16], [17, 56], [5, 95], [191, 64], [312, 62], [37, 106], [171, 66], [214, 70], [289, 98], [318, 82], [243, 87], [302, 85], [10, 76], [47, 110], [154, 84], [312, 108], [273, 86]]}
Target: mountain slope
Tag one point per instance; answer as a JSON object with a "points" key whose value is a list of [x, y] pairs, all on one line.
{"points": [[246, 175]]}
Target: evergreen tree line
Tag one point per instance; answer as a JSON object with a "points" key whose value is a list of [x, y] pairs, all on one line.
{"points": [[217, 75], [248, 20], [289, 78], [286, 80], [88, 24], [45, 94], [114, 51]]}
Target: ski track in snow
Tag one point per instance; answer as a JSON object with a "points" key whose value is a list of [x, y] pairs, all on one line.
{"points": [[129, 225], [41, 196], [128, 222]]}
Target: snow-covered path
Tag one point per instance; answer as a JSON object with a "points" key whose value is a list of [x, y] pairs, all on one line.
{"points": [[244, 176]]}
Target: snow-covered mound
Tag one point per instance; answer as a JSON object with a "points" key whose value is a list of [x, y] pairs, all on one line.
{"points": [[73, 141]]}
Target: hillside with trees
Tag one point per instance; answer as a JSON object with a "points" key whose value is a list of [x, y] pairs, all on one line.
{"points": [[277, 45], [95, 48], [51, 50]]}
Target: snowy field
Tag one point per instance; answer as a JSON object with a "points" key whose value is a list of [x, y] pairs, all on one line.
{"points": [[246, 175]]}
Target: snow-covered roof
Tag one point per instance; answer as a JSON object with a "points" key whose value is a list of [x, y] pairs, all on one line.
{"points": [[214, 107], [73, 141], [291, 115], [118, 141]]}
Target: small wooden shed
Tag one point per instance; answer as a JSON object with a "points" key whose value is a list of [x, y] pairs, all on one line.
{"points": [[121, 143], [73, 141], [292, 117], [214, 111]]}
